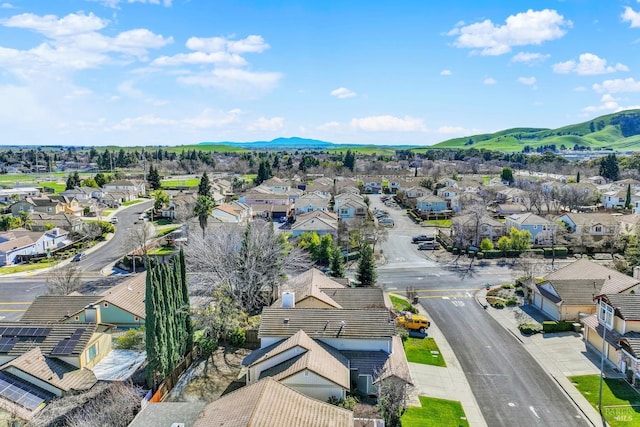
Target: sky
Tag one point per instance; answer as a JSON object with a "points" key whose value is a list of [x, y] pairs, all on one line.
{"points": [[177, 72]]}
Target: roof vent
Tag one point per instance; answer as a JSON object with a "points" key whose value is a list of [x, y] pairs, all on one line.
{"points": [[286, 321]]}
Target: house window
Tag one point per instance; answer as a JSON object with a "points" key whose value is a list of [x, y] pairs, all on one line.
{"points": [[598, 228], [605, 314], [92, 352], [344, 211]]}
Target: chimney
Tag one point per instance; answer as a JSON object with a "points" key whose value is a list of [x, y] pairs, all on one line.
{"points": [[636, 272], [288, 300]]}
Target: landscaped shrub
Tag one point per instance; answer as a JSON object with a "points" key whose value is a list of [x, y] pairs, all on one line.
{"points": [[497, 303], [480, 255], [560, 251], [493, 292], [512, 302], [455, 251], [492, 254], [519, 291], [550, 326], [536, 252], [529, 328], [237, 337], [507, 286]]}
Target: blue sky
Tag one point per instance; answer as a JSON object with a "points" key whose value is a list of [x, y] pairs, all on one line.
{"points": [[173, 72]]}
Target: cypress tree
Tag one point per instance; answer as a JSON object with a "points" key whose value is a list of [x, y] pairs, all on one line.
{"points": [[186, 304], [366, 273], [167, 307], [204, 187], [156, 343], [627, 200]]}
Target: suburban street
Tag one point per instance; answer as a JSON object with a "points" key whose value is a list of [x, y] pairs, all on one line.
{"points": [[509, 385], [17, 292]]}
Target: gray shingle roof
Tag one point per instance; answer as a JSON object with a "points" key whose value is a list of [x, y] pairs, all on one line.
{"points": [[268, 403], [50, 308], [627, 305], [614, 281], [357, 298], [577, 291], [326, 323]]}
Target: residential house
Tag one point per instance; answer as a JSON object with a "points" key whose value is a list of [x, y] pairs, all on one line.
{"points": [[41, 361], [617, 321], [84, 193], [131, 186], [591, 229], [37, 204], [471, 229], [319, 222], [320, 187], [277, 185], [271, 403], [628, 223], [597, 180], [507, 209], [616, 198], [568, 293], [542, 230], [11, 249], [267, 204], [121, 306], [415, 192], [43, 222], [448, 193], [70, 205], [350, 206], [115, 198], [372, 187], [226, 213], [431, 203], [311, 202], [20, 193]]}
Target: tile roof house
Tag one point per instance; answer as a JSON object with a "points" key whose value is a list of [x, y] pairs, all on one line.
{"points": [[349, 206], [470, 229], [319, 222], [569, 292], [617, 321], [311, 202], [41, 221], [11, 249], [542, 230], [269, 403], [37, 204]]}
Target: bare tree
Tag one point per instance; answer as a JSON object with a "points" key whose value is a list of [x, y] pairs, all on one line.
{"points": [[250, 260], [116, 407], [136, 240], [63, 280], [393, 394]]}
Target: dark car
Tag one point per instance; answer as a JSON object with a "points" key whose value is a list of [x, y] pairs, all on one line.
{"points": [[78, 257], [422, 238]]}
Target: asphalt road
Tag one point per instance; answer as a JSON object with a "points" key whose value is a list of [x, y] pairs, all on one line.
{"points": [[17, 293], [508, 384]]}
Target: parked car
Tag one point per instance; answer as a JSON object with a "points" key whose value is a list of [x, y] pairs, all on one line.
{"points": [[422, 238], [414, 322], [78, 257], [114, 220], [433, 245], [387, 222]]}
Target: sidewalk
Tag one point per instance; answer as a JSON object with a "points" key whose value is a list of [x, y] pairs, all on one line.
{"points": [[448, 383], [561, 354]]}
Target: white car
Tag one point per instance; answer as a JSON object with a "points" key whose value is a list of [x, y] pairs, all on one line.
{"points": [[114, 220]]}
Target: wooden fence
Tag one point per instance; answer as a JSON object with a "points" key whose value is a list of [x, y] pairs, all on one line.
{"points": [[167, 385]]}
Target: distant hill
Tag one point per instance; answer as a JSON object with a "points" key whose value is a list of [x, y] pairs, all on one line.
{"points": [[619, 131], [279, 143]]}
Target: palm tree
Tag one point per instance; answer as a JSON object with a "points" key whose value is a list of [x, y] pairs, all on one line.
{"points": [[25, 217], [203, 208]]}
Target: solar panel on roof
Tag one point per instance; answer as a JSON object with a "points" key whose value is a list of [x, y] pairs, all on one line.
{"points": [[7, 343], [24, 395], [2, 331]]}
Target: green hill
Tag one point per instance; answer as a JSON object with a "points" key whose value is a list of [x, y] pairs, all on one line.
{"points": [[618, 131]]}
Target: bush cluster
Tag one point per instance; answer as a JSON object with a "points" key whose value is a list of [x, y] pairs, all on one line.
{"points": [[555, 326], [529, 328]]}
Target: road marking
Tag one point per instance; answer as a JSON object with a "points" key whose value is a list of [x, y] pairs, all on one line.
{"points": [[392, 289], [458, 303], [534, 411], [15, 303], [511, 404], [468, 295], [444, 289], [441, 296], [9, 310]]}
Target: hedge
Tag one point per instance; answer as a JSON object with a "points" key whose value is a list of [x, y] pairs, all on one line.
{"points": [[529, 328], [480, 255], [536, 252], [554, 326], [560, 252], [352, 256], [492, 254]]}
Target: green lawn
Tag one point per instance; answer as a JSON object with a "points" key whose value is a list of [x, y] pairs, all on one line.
{"points": [[58, 187], [162, 221], [26, 267], [163, 231], [419, 350], [162, 250], [438, 222], [132, 202], [435, 413], [189, 182], [400, 304], [617, 395]]}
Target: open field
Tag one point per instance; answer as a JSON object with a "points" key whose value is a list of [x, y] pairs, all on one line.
{"points": [[189, 182]]}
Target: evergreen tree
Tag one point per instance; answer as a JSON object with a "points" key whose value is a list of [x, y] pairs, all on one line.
{"points": [[627, 200], [578, 177], [186, 305], [204, 187], [366, 273], [100, 179], [264, 172], [276, 162], [349, 160], [507, 175], [73, 181], [609, 167], [167, 286], [203, 208], [155, 336], [336, 263], [154, 178]]}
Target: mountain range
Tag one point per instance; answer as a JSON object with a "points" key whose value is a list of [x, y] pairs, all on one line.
{"points": [[618, 131]]}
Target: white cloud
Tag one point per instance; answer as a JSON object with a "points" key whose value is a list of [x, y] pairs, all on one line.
{"points": [[529, 58], [264, 124], [206, 119], [618, 86], [127, 89], [631, 16], [114, 3], [343, 93], [330, 126], [528, 81], [489, 81], [72, 43], [6, 6], [608, 103], [580, 89], [220, 58], [526, 28], [234, 80], [445, 73], [588, 64], [388, 123], [215, 50]]}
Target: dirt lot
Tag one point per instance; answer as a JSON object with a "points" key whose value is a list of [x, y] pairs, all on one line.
{"points": [[207, 383]]}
